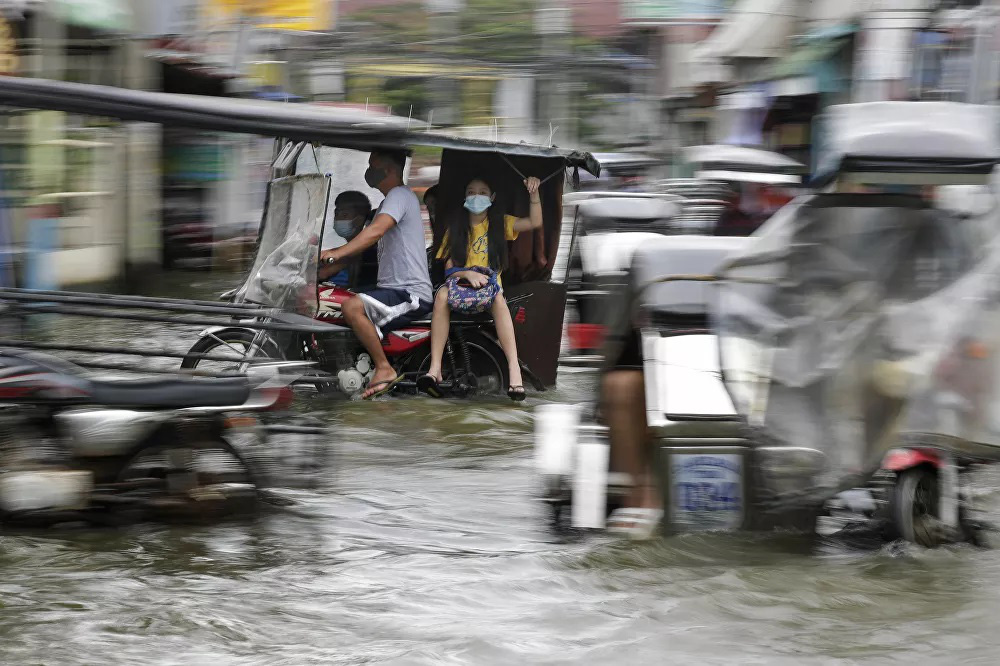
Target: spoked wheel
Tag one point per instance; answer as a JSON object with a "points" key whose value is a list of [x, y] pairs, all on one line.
{"points": [[235, 344], [488, 364], [208, 480], [914, 507]]}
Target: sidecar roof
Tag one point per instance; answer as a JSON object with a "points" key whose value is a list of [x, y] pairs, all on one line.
{"points": [[911, 143], [347, 128]]}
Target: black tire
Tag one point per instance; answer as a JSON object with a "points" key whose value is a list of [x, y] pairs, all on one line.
{"points": [[221, 342], [913, 507], [150, 470], [489, 365]]}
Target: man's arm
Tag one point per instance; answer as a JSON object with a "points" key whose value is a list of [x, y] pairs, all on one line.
{"points": [[364, 240]]}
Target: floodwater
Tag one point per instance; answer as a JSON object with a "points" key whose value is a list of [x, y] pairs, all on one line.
{"points": [[424, 544]]}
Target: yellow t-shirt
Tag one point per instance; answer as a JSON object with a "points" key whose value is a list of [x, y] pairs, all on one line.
{"points": [[478, 252]]}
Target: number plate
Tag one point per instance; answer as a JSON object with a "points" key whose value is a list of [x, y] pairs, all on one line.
{"points": [[707, 491]]}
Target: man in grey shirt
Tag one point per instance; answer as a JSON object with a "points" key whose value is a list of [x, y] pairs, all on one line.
{"points": [[403, 293]]}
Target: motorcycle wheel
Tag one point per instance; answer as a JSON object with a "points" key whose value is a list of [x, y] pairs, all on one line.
{"points": [[214, 483], [913, 507], [231, 342], [488, 363]]}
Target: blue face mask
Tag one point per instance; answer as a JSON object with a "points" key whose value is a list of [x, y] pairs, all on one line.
{"points": [[344, 228], [477, 203]]}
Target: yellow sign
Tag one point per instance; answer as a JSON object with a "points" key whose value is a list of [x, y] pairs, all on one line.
{"points": [[273, 14]]}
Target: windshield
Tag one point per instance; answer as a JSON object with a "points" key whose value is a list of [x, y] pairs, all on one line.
{"points": [[284, 270], [828, 321]]}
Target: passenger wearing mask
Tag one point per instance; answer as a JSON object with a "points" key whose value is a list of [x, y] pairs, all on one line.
{"points": [[475, 253], [430, 203], [403, 291], [350, 214]]}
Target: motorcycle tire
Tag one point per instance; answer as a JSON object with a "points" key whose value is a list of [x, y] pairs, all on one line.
{"points": [[913, 507], [233, 336], [489, 366], [200, 503]]}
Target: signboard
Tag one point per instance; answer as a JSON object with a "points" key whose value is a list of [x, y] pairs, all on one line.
{"points": [[8, 49], [674, 10], [706, 491], [110, 15], [310, 15]]}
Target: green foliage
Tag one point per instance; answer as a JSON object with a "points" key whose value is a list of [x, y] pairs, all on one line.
{"points": [[484, 30]]}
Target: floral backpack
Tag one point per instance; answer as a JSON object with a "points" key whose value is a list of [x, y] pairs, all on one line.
{"points": [[469, 300]]}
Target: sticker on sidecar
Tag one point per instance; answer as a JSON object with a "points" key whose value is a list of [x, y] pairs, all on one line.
{"points": [[707, 491]]}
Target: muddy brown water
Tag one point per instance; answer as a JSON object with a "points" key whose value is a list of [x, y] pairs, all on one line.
{"points": [[424, 544]]}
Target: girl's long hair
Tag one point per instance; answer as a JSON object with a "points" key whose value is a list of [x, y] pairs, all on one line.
{"points": [[458, 233]]}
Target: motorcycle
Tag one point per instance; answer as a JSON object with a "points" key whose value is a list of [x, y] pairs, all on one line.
{"points": [[76, 449], [863, 325], [284, 276], [474, 362]]}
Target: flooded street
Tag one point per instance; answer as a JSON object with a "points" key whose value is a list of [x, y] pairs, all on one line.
{"points": [[424, 545]]}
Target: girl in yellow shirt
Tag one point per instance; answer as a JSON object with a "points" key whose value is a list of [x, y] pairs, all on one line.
{"points": [[477, 237]]}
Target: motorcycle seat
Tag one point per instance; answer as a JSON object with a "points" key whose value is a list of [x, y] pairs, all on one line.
{"points": [[172, 393]]}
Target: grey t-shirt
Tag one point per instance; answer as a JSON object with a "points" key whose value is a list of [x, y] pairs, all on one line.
{"points": [[402, 257]]}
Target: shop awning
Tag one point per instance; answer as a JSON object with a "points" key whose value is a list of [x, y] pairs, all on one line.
{"points": [[753, 29], [810, 68], [108, 15]]}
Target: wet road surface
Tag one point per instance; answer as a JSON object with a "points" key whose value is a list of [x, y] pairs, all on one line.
{"points": [[424, 545]]}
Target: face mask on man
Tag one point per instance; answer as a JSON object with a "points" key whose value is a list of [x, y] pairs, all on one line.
{"points": [[345, 228], [375, 175], [477, 203]]}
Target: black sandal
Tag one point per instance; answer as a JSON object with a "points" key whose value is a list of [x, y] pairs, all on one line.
{"points": [[516, 395], [429, 385]]}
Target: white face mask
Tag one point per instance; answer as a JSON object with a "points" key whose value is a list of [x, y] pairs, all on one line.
{"points": [[477, 203]]}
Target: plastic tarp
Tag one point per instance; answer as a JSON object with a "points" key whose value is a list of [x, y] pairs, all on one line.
{"points": [[859, 322], [284, 273]]}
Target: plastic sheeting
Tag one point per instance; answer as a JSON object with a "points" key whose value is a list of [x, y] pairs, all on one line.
{"points": [[857, 323], [284, 272]]}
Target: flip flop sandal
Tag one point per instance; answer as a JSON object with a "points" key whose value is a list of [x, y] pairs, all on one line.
{"points": [[387, 387], [514, 394], [429, 385], [638, 524]]}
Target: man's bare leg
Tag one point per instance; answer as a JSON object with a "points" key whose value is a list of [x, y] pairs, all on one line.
{"points": [[357, 319], [623, 406]]}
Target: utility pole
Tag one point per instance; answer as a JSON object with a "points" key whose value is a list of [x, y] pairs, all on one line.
{"points": [[443, 19], [552, 23]]}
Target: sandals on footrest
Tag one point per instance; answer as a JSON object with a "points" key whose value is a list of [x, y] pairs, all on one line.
{"points": [[516, 393], [429, 385]]}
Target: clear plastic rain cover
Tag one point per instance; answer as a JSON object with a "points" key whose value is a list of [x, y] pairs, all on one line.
{"points": [[284, 272], [858, 322]]}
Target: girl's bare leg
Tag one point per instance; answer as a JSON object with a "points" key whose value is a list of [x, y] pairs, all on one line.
{"points": [[440, 321], [505, 332]]}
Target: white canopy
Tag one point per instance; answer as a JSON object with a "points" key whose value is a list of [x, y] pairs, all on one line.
{"points": [[922, 130], [760, 160], [915, 142], [630, 208]]}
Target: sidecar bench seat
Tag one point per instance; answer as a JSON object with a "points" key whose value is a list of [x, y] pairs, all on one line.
{"points": [[173, 393]]}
